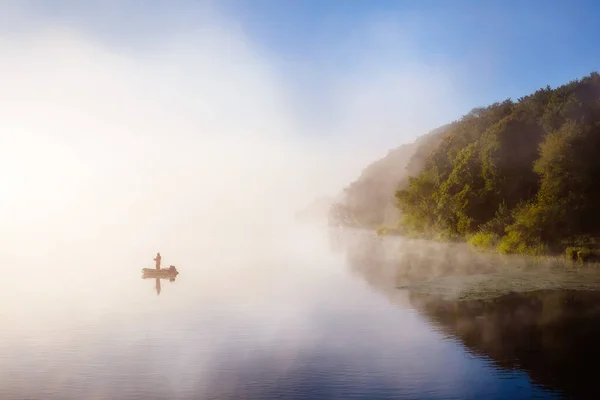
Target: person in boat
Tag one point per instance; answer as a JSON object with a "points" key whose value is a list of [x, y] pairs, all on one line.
{"points": [[157, 259]]}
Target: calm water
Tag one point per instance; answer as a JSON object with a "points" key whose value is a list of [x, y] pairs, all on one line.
{"points": [[287, 319]]}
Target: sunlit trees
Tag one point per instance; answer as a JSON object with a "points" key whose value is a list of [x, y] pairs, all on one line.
{"points": [[523, 176]]}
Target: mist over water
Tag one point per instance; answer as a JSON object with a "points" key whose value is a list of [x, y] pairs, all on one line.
{"points": [[188, 143], [288, 321], [184, 143]]}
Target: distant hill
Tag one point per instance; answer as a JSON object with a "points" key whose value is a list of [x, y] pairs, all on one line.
{"points": [[369, 201], [518, 176]]}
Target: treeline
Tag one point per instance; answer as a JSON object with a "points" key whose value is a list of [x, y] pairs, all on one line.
{"points": [[520, 177], [523, 176], [369, 202]]}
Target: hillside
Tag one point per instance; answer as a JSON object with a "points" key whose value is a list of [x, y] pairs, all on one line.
{"points": [[518, 176], [369, 202]]}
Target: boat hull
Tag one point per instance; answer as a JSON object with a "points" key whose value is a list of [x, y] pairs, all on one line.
{"points": [[159, 272]]}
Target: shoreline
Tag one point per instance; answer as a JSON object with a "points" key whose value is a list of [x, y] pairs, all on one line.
{"points": [[493, 285], [459, 271], [569, 256]]}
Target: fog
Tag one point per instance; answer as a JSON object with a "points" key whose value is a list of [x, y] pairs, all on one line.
{"points": [[193, 137], [188, 143], [126, 131]]}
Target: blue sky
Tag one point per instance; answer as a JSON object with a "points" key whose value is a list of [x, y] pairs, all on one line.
{"points": [[504, 48], [487, 50]]}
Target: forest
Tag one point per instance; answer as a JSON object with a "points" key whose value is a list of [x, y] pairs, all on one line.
{"points": [[516, 176]]}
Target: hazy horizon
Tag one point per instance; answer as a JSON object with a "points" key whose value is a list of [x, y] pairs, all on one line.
{"points": [[190, 132], [188, 141], [198, 129]]}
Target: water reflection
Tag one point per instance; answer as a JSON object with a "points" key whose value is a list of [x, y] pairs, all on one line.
{"points": [[552, 335], [284, 320], [157, 284]]}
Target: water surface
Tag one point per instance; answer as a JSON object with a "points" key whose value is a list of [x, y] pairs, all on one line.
{"points": [[288, 317]]}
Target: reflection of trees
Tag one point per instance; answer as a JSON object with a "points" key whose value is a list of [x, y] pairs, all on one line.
{"points": [[552, 335]]}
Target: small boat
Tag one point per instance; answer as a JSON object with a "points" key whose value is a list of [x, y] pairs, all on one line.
{"points": [[163, 272]]}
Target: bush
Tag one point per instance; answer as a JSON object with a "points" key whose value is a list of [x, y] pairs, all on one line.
{"points": [[582, 254], [510, 243], [538, 249], [588, 255], [571, 252], [514, 242], [382, 230], [484, 240]]}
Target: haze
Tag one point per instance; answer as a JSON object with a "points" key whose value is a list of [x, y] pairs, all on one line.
{"points": [[123, 148], [192, 129]]}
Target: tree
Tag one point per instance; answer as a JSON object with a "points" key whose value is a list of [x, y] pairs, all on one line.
{"points": [[528, 171]]}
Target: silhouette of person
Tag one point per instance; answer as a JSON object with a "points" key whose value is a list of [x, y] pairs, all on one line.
{"points": [[157, 259]]}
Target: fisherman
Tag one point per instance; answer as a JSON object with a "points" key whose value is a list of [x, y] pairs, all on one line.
{"points": [[157, 259]]}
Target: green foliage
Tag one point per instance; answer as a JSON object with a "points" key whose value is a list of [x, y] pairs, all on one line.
{"points": [[580, 241], [515, 242], [386, 230], [571, 252], [588, 255], [497, 225], [369, 202], [382, 230], [484, 240], [582, 254], [523, 176]]}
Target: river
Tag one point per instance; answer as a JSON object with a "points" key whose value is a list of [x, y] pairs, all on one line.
{"points": [[282, 316]]}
